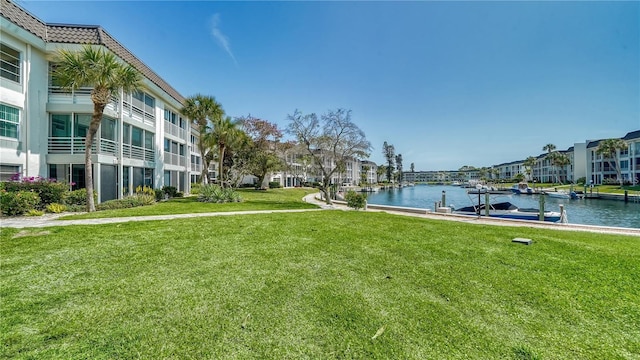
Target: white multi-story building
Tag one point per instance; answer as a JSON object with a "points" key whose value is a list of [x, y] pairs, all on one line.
{"points": [[142, 139], [599, 167]]}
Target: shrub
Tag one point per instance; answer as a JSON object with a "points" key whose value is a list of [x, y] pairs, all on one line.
{"points": [[179, 194], [170, 190], [215, 194], [127, 202], [56, 208], [355, 200], [76, 208], [78, 197], [17, 203], [34, 212], [581, 181], [274, 185], [167, 192], [49, 190], [195, 188], [159, 194], [146, 190]]}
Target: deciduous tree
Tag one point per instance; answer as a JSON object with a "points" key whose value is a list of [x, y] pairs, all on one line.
{"points": [[330, 140]]}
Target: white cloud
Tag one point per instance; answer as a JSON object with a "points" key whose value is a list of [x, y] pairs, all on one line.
{"points": [[221, 38]]}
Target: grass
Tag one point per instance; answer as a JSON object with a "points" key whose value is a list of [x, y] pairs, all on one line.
{"points": [[329, 284], [273, 199], [603, 189]]}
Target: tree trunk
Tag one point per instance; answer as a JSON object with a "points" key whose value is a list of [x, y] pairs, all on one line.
{"points": [[204, 173], [220, 163], [96, 118], [325, 191]]}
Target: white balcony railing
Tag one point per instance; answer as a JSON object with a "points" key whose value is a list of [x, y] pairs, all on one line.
{"points": [[175, 159], [174, 130], [68, 145]]}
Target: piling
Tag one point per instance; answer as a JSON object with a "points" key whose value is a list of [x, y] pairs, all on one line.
{"points": [[626, 196], [444, 197], [541, 218], [486, 203]]}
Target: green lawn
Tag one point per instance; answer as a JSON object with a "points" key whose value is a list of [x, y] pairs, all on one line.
{"points": [[273, 199], [317, 285]]}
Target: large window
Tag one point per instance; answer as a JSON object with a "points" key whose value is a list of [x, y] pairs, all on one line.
{"points": [[9, 121], [108, 129], [81, 125], [60, 125], [9, 63], [136, 136]]}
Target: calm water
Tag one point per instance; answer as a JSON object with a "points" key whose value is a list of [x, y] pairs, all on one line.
{"points": [[586, 211]]}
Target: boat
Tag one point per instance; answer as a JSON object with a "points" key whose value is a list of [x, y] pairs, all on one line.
{"points": [[522, 189], [483, 189], [507, 210], [562, 195], [456, 183], [557, 194]]}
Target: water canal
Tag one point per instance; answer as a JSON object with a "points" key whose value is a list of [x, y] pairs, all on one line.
{"points": [[584, 211]]}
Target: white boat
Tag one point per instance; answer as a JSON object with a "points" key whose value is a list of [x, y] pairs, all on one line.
{"points": [[562, 194], [507, 210], [522, 188]]}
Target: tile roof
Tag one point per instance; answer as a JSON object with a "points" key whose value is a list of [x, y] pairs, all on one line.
{"points": [[81, 34]]}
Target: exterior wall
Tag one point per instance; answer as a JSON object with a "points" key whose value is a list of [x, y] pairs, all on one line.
{"points": [[118, 164]]}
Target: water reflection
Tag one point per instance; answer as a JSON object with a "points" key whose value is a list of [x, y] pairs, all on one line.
{"points": [[586, 211]]}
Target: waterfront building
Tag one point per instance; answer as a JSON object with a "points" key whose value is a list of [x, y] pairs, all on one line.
{"points": [[602, 169], [142, 141]]}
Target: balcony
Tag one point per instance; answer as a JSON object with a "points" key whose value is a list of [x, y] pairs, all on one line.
{"points": [[75, 145], [174, 130], [175, 159]]}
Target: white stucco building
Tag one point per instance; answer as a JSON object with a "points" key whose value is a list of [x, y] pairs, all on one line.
{"points": [[143, 140]]}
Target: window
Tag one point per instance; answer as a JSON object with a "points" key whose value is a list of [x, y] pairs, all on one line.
{"points": [[167, 145], [9, 63], [624, 165], [126, 133], [9, 121], [108, 129], [148, 140], [7, 171], [148, 177], [136, 136], [60, 125], [81, 125]]}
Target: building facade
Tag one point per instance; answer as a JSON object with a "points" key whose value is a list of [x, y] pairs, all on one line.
{"points": [[142, 139]]}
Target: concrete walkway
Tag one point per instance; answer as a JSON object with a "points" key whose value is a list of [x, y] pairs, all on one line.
{"points": [[51, 219]]}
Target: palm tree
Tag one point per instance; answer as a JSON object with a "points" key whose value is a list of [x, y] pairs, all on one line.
{"points": [[224, 133], [559, 161], [610, 149], [97, 68], [381, 170], [529, 163], [549, 148], [201, 110]]}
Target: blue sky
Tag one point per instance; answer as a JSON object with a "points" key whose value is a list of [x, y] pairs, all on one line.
{"points": [[447, 83]]}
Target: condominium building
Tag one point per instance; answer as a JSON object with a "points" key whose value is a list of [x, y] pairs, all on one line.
{"points": [[142, 139]]}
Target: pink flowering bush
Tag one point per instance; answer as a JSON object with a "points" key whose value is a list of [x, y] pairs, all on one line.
{"points": [[48, 190]]}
